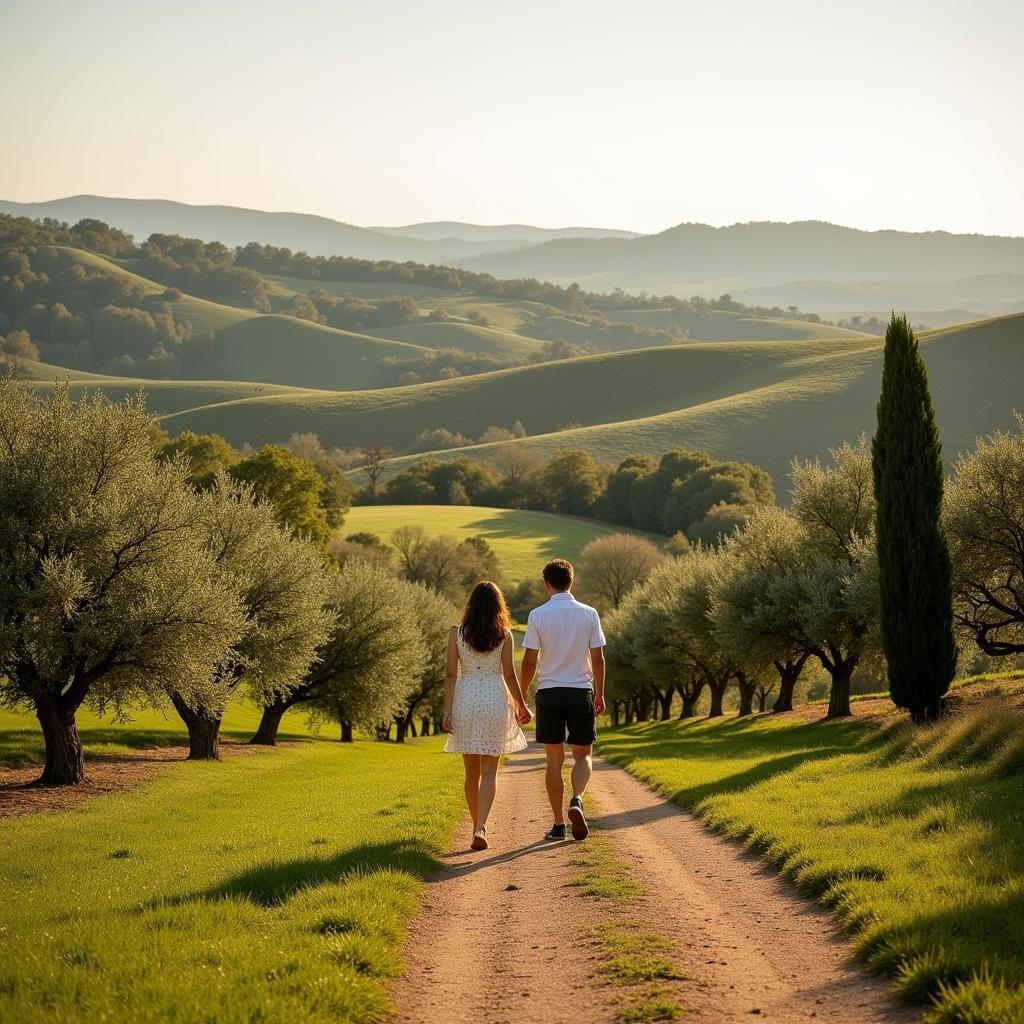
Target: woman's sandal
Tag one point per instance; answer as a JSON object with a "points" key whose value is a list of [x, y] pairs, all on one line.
{"points": [[479, 840]]}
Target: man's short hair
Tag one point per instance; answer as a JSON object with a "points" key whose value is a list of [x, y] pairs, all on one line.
{"points": [[558, 574]]}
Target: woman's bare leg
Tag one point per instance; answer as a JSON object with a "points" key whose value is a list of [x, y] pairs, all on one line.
{"points": [[472, 786], [488, 784]]}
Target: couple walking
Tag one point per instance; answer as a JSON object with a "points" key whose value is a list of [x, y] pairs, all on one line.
{"points": [[485, 704]]}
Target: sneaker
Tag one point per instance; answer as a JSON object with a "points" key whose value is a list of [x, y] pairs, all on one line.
{"points": [[557, 833], [580, 828]]}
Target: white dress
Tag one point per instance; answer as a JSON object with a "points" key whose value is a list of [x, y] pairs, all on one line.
{"points": [[483, 716]]}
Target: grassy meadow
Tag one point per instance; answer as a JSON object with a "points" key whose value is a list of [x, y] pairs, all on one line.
{"points": [[21, 741], [913, 836], [523, 541], [762, 401], [266, 888]]}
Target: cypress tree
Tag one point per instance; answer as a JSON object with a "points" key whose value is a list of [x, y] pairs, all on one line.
{"points": [[915, 585]]}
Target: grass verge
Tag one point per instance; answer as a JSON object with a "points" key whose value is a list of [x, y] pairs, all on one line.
{"points": [[913, 836], [632, 958], [255, 889]]}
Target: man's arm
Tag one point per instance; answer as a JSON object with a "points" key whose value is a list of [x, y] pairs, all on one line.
{"points": [[597, 664], [528, 670]]}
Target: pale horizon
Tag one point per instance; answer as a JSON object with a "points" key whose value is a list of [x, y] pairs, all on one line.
{"points": [[587, 115]]}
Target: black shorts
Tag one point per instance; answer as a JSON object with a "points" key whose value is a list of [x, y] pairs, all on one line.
{"points": [[563, 710]]}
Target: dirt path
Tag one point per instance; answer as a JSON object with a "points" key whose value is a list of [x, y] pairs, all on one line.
{"points": [[503, 935], [753, 942]]}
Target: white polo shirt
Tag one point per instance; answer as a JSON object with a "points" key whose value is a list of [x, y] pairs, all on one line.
{"points": [[564, 630]]}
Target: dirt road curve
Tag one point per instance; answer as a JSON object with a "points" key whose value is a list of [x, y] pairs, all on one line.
{"points": [[502, 937]]}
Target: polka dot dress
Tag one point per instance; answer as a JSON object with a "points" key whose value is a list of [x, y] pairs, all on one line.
{"points": [[483, 717]]}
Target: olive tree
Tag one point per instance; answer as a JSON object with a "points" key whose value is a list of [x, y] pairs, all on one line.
{"points": [[984, 517], [611, 566], [755, 630], [838, 591], [281, 582], [107, 593], [435, 617], [813, 584], [633, 680], [679, 598], [361, 672]]}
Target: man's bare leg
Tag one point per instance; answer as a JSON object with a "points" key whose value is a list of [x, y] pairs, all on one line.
{"points": [[553, 779], [581, 769]]}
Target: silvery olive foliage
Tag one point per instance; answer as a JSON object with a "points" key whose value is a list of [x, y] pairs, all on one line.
{"points": [[374, 652], [282, 583], [107, 594], [984, 520]]}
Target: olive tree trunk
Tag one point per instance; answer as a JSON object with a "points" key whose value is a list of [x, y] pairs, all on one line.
{"points": [[690, 695], [203, 730], [270, 722], [717, 688], [746, 687], [665, 703], [839, 694], [64, 765], [789, 674]]}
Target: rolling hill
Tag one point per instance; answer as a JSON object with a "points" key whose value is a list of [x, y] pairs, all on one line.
{"points": [[978, 294], [437, 230], [763, 402], [538, 323], [744, 256], [251, 346]]}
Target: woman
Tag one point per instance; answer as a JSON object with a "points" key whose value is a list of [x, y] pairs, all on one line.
{"points": [[482, 720]]}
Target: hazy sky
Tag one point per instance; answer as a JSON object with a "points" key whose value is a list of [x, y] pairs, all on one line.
{"points": [[639, 114]]}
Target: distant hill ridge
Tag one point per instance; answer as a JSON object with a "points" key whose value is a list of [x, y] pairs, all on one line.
{"points": [[319, 236], [759, 254], [441, 229]]}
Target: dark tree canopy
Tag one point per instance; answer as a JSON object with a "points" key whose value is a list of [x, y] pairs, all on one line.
{"points": [[914, 571]]}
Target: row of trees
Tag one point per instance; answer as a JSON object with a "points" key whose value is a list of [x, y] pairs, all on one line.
{"points": [[685, 494], [787, 586], [838, 581], [123, 585]]}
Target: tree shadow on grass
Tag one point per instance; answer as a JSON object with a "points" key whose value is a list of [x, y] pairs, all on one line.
{"points": [[20, 747], [774, 751], [274, 882]]}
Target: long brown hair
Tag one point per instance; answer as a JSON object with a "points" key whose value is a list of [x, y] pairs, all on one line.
{"points": [[485, 621]]}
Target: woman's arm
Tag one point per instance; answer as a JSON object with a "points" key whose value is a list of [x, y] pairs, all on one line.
{"points": [[508, 672], [451, 675]]}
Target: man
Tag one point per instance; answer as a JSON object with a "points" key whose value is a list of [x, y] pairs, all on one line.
{"points": [[568, 639]]}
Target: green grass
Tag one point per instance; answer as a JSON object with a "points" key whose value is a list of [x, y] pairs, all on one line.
{"points": [[21, 741], [267, 888], [465, 336], [766, 402], [912, 836], [523, 541], [617, 393], [720, 325], [631, 956], [602, 875]]}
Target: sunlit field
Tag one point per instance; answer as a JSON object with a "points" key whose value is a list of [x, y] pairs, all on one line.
{"points": [[267, 888], [911, 835]]}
